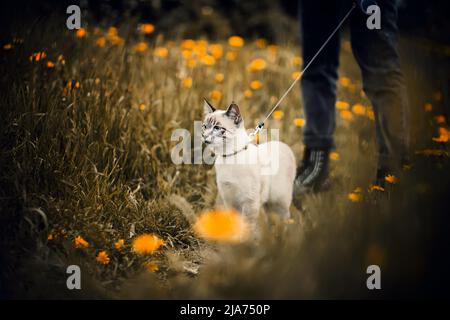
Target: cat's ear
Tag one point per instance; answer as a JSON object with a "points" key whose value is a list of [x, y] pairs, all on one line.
{"points": [[207, 107], [234, 113]]}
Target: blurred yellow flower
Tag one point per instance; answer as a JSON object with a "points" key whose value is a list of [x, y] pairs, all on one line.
{"points": [[216, 50], [354, 197], [101, 41], [161, 52], [335, 156], [370, 114], [142, 106], [359, 109], [208, 60], [187, 54], [80, 242], [215, 95], [140, 46], [102, 257], [346, 115], [261, 43], [187, 44], [440, 119], [295, 75], [428, 107], [257, 64], [390, 179], [376, 188], [112, 31], [221, 225], [231, 56], [147, 243], [219, 77], [151, 266], [248, 93], [255, 85], [81, 33], [191, 63], [235, 41], [297, 61], [7, 46], [342, 105], [50, 237], [278, 114], [147, 28], [50, 64], [116, 40], [444, 135], [299, 122], [119, 244], [344, 81], [187, 82]]}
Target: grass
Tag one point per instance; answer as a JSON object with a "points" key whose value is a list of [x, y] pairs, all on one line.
{"points": [[85, 151]]}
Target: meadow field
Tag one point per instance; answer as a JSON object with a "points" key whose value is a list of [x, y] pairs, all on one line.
{"points": [[87, 177]]}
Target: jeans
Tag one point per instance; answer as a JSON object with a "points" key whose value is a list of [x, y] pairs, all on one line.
{"points": [[377, 56]]}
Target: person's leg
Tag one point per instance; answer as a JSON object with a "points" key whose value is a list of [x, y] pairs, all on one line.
{"points": [[377, 55], [318, 19]]}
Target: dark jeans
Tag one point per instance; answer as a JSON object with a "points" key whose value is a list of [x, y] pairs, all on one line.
{"points": [[377, 56]]}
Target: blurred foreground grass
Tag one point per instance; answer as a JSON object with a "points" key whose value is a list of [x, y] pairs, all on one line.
{"points": [[86, 121]]}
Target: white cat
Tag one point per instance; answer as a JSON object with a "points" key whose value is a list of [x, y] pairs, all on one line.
{"points": [[248, 175]]}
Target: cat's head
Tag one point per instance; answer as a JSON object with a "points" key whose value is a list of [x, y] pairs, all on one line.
{"points": [[221, 125]]}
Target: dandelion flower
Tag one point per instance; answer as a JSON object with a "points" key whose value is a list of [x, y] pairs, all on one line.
{"points": [[248, 93], [119, 244], [359, 109], [257, 64], [354, 197], [140, 46], [295, 75], [151, 266], [221, 226], [208, 60], [80, 242], [428, 107], [299, 122], [147, 243], [81, 33], [101, 42], [187, 82], [346, 115], [161, 52], [188, 44], [216, 51], [102, 257], [112, 31], [235, 41], [216, 95], [376, 188], [296, 61], [50, 64], [334, 156], [219, 77], [255, 85], [344, 81], [191, 63], [390, 179], [146, 28], [116, 40], [7, 46], [278, 114], [231, 56], [187, 54], [142, 106], [342, 105], [50, 237]]}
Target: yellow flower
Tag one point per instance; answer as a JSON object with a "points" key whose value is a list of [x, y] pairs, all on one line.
{"points": [[208, 60], [376, 188], [390, 179], [50, 237], [440, 119], [81, 33], [119, 244], [216, 50], [428, 107], [255, 85], [187, 54], [147, 243], [116, 40], [161, 52], [359, 109], [147, 28], [346, 115], [187, 82], [102, 257], [80, 242], [235, 41], [231, 56], [278, 114], [142, 107], [50, 64], [221, 226], [215, 95], [299, 122], [7, 46], [297, 61], [140, 46], [344, 81], [295, 75], [219, 77], [354, 197], [112, 31], [257, 64], [188, 44], [342, 105], [191, 63], [334, 156], [261, 43], [443, 135], [101, 41], [151, 266], [248, 93], [370, 114]]}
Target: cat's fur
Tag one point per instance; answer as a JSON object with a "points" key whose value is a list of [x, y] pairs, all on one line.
{"points": [[241, 182]]}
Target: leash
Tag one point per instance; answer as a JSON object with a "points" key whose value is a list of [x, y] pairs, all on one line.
{"points": [[260, 125]]}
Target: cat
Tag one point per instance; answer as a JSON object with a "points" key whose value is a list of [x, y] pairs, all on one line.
{"points": [[248, 176]]}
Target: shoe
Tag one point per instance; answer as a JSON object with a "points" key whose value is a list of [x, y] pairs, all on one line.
{"points": [[312, 174]]}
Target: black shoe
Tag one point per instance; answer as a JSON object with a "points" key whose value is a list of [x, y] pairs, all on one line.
{"points": [[312, 174]]}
